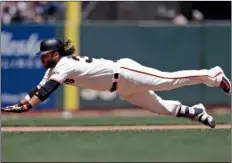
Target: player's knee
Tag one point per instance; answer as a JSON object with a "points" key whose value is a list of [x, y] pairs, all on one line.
{"points": [[171, 107]]}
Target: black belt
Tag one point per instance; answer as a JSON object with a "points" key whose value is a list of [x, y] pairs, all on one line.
{"points": [[114, 85]]}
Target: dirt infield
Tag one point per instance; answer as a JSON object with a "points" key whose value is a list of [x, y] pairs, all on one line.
{"points": [[109, 128]]}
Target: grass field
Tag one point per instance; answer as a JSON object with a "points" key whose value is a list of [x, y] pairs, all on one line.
{"points": [[107, 120], [186, 145], [175, 145]]}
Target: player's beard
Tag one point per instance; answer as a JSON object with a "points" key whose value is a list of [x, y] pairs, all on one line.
{"points": [[50, 63]]}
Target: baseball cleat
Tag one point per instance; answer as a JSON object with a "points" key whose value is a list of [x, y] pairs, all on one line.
{"points": [[225, 85], [222, 81], [203, 117], [197, 113]]}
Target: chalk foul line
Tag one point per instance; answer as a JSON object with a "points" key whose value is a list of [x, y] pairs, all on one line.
{"points": [[109, 128]]}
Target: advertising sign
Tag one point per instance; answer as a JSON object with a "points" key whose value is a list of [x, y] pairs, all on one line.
{"points": [[21, 70]]}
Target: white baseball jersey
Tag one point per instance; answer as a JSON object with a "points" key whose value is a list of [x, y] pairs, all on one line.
{"points": [[83, 72]]}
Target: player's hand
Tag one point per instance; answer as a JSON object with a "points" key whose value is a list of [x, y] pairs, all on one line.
{"points": [[13, 108]]}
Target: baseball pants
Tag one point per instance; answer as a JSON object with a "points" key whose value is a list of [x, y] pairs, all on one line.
{"points": [[138, 83]]}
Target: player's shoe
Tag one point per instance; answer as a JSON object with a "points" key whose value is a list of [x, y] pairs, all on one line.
{"points": [[221, 80], [202, 116], [197, 113]]}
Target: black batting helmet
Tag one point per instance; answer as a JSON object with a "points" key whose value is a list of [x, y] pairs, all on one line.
{"points": [[49, 45]]}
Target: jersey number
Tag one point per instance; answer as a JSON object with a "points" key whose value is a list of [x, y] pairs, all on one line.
{"points": [[69, 81], [78, 58]]}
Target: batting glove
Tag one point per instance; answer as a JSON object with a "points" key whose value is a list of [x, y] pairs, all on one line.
{"points": [[14, 108]]}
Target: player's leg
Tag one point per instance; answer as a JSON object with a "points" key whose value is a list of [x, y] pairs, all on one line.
{"points": [[154, 103], [148, 78]]}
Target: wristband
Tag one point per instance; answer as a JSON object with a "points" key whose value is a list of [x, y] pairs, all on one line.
{"points": [[27, 106]]}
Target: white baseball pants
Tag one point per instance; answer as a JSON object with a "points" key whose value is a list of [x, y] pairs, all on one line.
{"points": [[138, 82]]}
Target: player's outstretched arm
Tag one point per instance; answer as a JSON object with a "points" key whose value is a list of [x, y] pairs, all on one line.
{"points": [[28, 96], [39, 96], [22, 102]]}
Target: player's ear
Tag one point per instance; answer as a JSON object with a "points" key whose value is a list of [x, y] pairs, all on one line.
{"points": [[56, 54]]}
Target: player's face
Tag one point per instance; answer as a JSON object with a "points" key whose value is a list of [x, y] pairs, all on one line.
{"points": [[49, 60]]}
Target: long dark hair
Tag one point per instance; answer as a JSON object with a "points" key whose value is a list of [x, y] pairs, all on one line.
{"points": [[68, 48]]}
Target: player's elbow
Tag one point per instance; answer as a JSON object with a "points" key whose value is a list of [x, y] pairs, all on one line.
{"points": [[45, 91]]}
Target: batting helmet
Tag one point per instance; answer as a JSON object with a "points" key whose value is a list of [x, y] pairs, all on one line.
{"points": [[49, 45]]}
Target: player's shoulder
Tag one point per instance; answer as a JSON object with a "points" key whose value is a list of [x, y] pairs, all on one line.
{"points": [[64, 61], [65, 64]]}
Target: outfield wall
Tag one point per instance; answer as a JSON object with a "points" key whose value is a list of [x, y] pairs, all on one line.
{"points": [[165, 47]]}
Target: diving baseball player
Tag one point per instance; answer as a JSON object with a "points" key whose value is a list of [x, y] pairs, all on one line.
{"points": [[133, 81]]}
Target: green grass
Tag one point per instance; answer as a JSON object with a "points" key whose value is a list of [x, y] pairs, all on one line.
{"points": [[168, 145], [105, 120]]}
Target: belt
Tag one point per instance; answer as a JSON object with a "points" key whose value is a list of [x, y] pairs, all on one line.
{"points": [[114, 85]]}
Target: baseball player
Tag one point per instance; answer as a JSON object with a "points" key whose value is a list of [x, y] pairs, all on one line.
{"points": [[134, 82]]}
